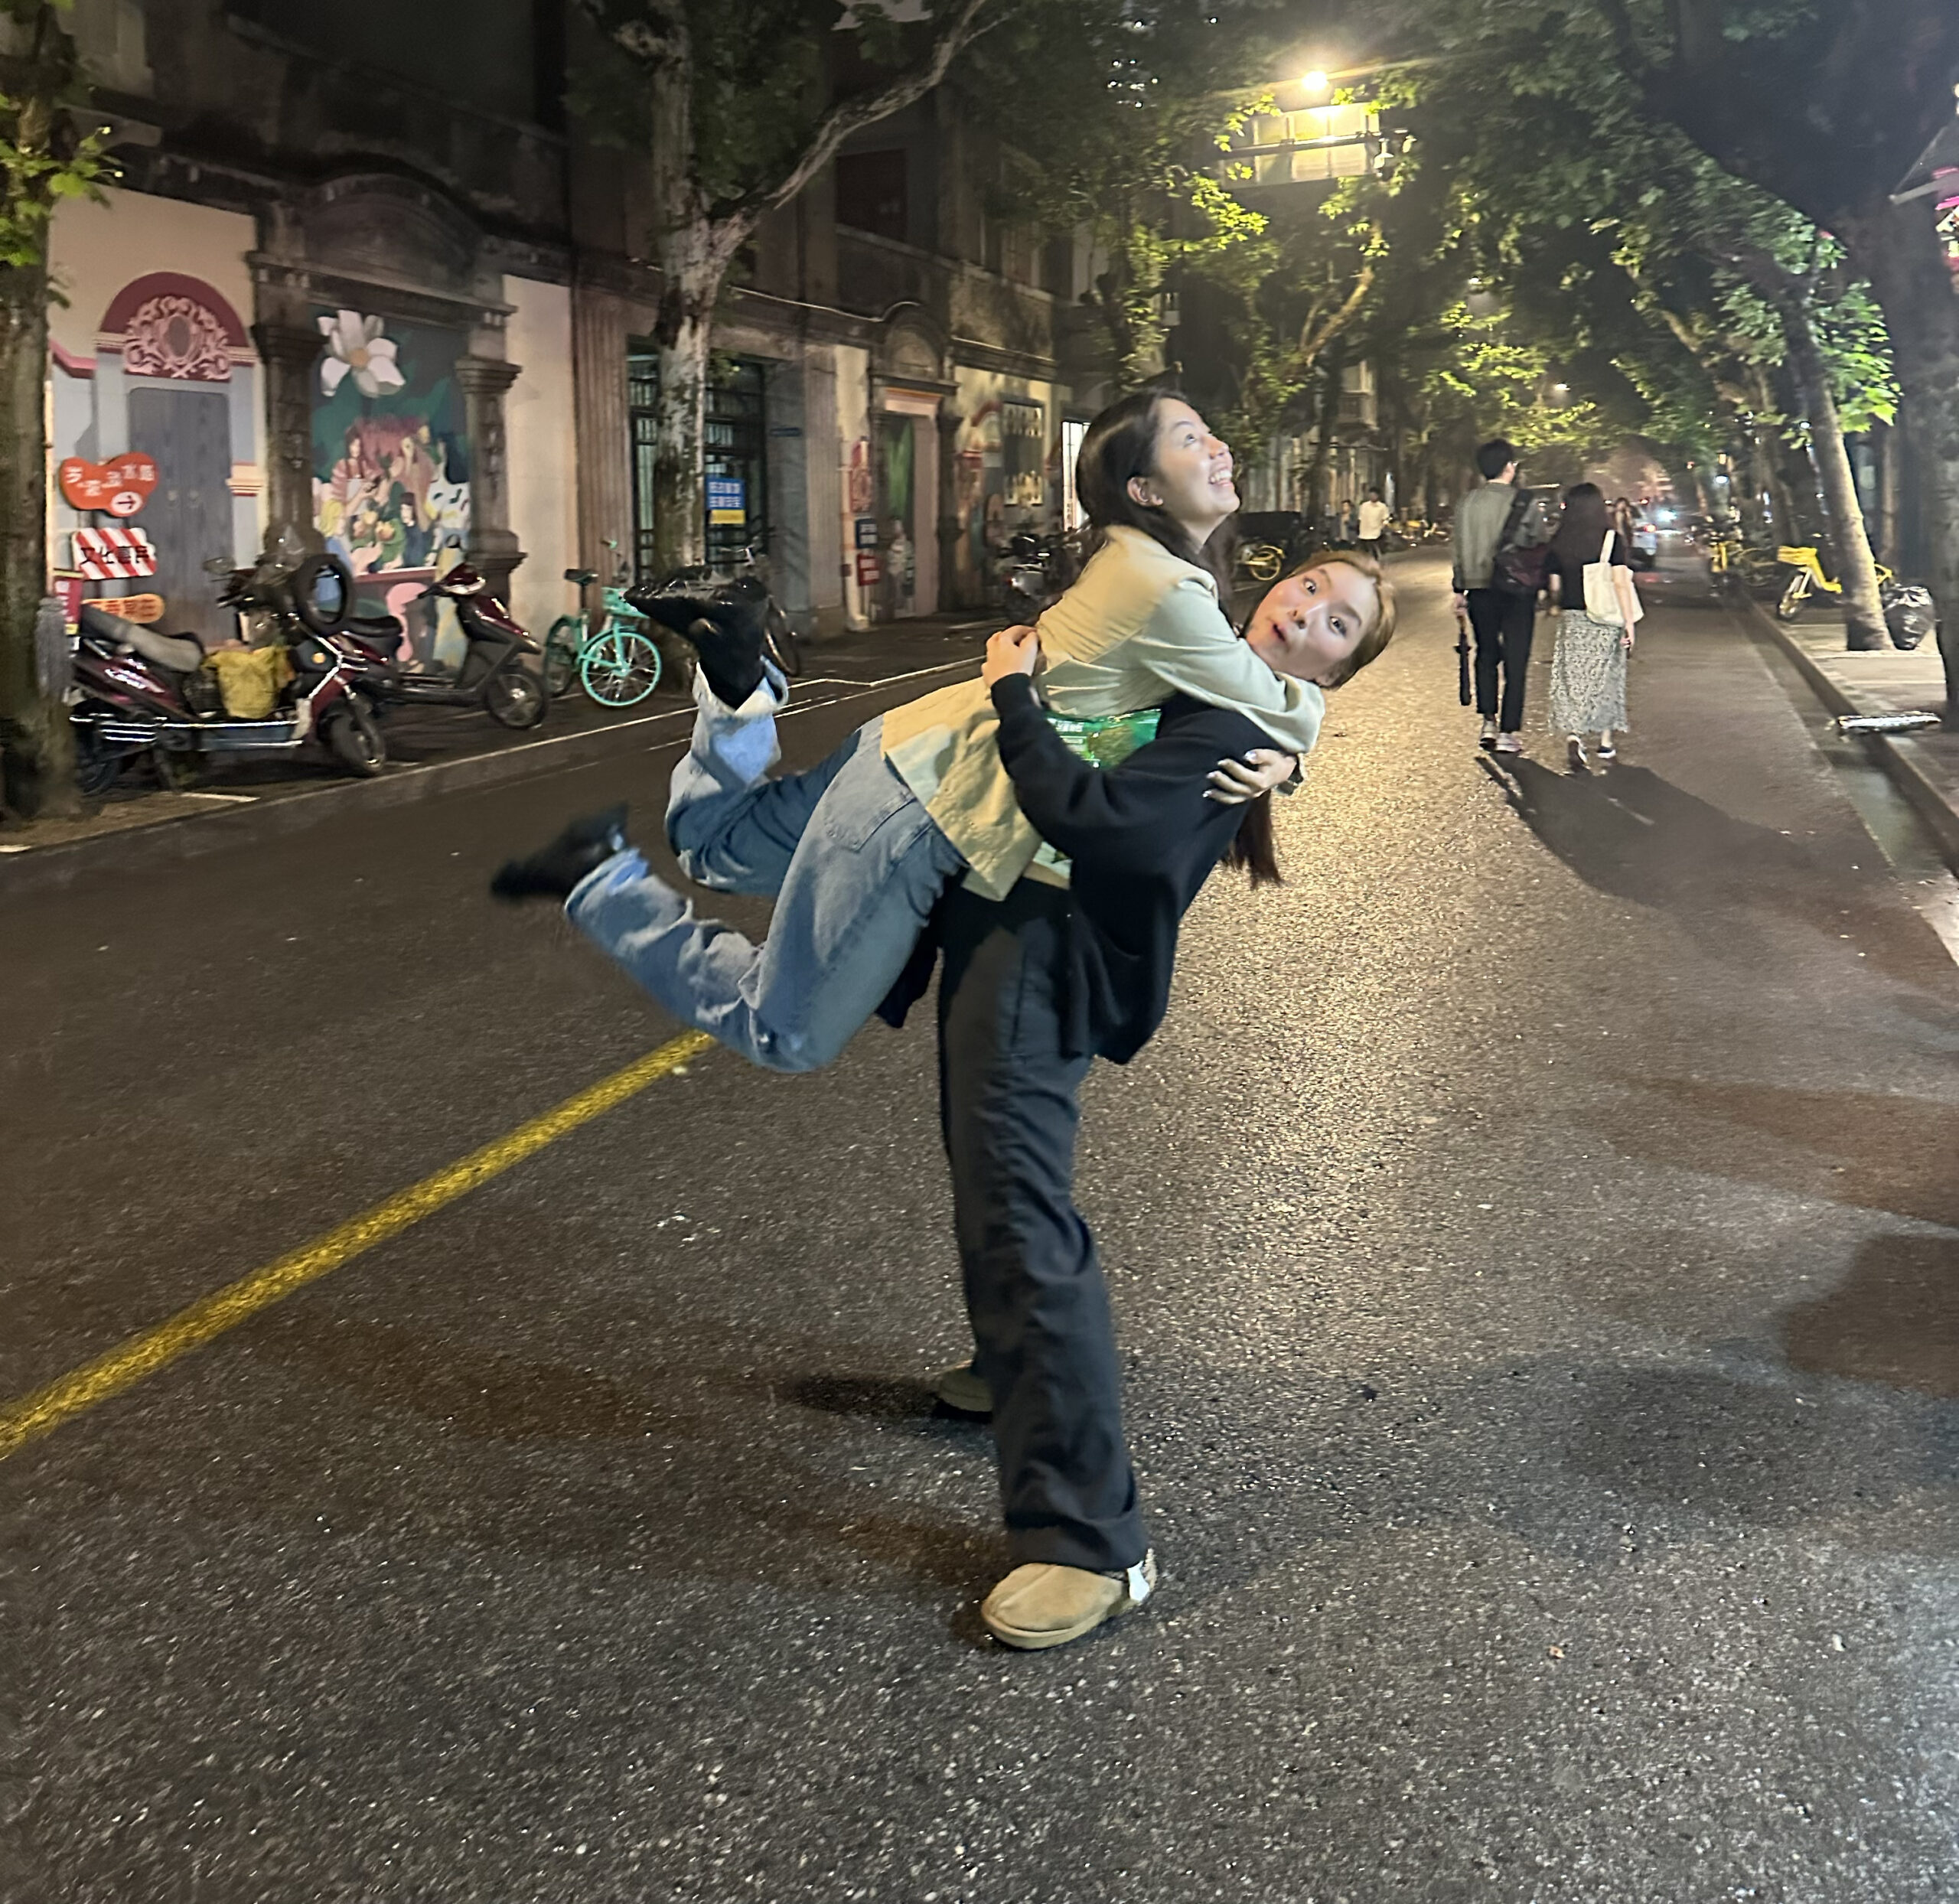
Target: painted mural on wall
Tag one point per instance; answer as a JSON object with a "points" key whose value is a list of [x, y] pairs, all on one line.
{"points": [[390, 451]]}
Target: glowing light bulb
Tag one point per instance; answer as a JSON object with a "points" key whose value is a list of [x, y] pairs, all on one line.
{"points": [[1313, 82]]}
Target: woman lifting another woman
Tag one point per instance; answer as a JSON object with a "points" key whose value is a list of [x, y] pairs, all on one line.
{"points": [[1055, 953]]}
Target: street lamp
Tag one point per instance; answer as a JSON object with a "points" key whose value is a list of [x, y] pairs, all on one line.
{"points": [[1315, 82]]}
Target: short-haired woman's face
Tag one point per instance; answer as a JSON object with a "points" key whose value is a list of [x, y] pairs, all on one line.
{"points": [[1191, 478], [1308, 625]]}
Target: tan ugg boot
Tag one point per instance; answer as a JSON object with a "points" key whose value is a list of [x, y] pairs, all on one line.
{"points": [[961, 1388], [1045, 1605]]}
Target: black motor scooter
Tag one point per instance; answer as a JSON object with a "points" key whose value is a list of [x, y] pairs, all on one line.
{"points": [[493, 675]]}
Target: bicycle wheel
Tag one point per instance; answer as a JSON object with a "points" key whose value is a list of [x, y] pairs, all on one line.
{"points": [[619, 667], [561, 653], [781, 643], [1793, 596]]}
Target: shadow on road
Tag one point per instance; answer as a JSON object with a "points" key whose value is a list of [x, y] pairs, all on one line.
{"points": [[1894, 1319], [1627, 832], [1860, 1148]]}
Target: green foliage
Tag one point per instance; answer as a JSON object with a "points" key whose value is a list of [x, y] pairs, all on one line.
{"points": [[1115, 116], [1651, 266], [45, 156]]}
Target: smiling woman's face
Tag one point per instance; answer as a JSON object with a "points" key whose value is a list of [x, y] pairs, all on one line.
{"points": [[1308, 625], [1190, 479]]}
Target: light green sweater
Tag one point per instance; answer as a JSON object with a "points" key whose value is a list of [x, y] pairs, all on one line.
{"points": [[1139, 625]]}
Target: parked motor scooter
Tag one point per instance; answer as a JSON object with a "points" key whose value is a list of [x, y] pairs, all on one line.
{"points": [[1038, 568], [493, 675], [136, 693]]}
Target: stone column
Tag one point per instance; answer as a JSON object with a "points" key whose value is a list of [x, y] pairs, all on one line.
{"points": [[289, 352], [949, 591], [605, 432], [494, 549]]}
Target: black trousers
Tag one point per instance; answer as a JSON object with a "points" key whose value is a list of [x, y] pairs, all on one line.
{"points": [[1034, 1289], [1505, 625]]}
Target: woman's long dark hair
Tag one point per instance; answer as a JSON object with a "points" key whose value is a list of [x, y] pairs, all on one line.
{"points": [[1118, 447], [1253, 849], [1582, 530]]}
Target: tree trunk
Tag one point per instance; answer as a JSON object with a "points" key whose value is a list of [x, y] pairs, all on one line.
{"points": [[1317, 502], [1856, 567], [692, 261], [1897, 247], [39, 750], [1891, 475]]}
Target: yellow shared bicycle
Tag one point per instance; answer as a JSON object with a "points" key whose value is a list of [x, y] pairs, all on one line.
{"points": [[1807, 577]]}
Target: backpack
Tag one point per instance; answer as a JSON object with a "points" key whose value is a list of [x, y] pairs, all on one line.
{"points": [[1514, 570]]}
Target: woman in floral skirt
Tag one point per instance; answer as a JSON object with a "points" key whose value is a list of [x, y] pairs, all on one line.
{"points": [[1588, 669]]}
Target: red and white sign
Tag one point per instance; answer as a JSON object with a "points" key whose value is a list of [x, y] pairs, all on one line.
{"points": [[112, 555], [867, 569], [121, 486]]}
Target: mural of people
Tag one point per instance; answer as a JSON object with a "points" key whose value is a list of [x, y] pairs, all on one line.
{"points": [[390, 455]]}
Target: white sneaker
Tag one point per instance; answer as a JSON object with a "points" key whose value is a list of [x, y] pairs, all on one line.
{"points": [[1489, 735], [1509, 743]]}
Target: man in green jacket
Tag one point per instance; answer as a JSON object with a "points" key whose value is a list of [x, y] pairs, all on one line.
{"points": [[1504, 620]]}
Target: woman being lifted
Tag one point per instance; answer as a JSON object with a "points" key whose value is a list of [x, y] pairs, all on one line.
{"points": [[859, 848]]}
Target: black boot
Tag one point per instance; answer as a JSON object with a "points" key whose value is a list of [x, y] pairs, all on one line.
{"points": [[552, 871], [726, 630]]}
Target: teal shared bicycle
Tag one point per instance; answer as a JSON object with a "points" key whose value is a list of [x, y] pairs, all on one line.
{"points": [[613, 656]]}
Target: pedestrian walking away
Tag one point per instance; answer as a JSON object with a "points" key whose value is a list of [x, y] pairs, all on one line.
{"points": [[859, 850], [1373, 524], [1596, 603], [1491, 522]]}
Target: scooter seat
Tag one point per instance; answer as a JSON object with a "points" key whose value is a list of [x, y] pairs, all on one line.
{"points": [[183, 653], [380, 626], [584, 578]]}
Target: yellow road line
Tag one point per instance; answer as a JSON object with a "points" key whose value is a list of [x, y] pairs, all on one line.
{"points": [[45, 1410]]}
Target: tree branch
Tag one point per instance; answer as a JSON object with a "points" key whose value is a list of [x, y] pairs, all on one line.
{"points": [[1312, 341], [853, 116]]}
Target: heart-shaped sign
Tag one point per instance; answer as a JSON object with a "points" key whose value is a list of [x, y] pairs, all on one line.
{"points": [[121, 486]]}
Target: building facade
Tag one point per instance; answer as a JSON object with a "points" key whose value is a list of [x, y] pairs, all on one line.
{"points": [[361, 276]]}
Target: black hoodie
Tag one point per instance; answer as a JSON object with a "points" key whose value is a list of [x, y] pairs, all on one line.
{"points": [[1143, 839]]}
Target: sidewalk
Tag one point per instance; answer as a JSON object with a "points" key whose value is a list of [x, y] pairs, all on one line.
{"points": [[431, 750], [1925, 764]]}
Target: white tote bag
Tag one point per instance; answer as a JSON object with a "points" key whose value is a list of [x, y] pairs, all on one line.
{"points": [[1610, 596]]}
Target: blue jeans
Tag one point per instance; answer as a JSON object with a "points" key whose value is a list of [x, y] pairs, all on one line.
{"points": [[855, 860]]}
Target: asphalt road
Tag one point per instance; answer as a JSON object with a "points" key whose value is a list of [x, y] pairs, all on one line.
{"points": [[1535, 1239]]}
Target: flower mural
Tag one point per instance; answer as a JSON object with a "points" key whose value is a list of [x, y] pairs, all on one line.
{"points": [[356, 348]]}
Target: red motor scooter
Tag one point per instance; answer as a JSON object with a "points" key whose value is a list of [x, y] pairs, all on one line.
{"points": [[493, 675], [136, 693]]}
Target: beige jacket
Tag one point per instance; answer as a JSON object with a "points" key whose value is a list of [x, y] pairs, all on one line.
{"points": [[1139, 625]]}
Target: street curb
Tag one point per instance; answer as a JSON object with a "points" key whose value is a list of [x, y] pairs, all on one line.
{"points": [[190, 835], [1902, 757]]}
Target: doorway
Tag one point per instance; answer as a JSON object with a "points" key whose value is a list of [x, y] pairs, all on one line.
{"points": [[908, 488], [186, 428]]}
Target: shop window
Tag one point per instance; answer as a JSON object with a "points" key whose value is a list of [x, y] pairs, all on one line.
{"points": [[736, 452], [873, 194], [1023, 442]]}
